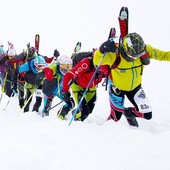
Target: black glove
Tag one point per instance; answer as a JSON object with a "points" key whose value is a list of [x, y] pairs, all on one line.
{"points": [[108, 46], [69, 100], [56, 53], [90, 54], [98, 75]]}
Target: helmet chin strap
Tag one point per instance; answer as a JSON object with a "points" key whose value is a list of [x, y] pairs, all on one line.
{"points": [[124, 55]]}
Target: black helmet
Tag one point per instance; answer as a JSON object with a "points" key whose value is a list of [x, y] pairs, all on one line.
{"points": [[133, 45], [31, 53]]}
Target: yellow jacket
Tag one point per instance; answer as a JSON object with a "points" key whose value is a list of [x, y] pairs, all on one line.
{"points": [[128, 75]]}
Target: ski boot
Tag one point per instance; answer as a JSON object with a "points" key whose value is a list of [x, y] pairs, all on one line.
{"points": [[26, 108], [35, 108], [47, 108], [130, 117], [61, 117], [21, 102], [37, 104], [77, 117], [63, 112]]}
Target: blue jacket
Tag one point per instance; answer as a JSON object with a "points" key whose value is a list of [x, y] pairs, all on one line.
{"points": [[31, 73]]}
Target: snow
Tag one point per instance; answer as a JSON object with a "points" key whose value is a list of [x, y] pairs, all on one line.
{"points": [[30, 142]]}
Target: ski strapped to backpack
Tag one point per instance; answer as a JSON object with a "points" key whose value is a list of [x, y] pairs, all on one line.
{"points": [[3, 87], [112, 35], [37, 42], [76, 49], [81, 55], [123, 23]]}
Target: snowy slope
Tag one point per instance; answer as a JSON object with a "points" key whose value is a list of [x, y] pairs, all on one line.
{"points": [[31, 142]]}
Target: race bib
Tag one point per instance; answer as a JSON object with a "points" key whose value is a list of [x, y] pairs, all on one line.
{"points": [[38, 93], [142, 102]]}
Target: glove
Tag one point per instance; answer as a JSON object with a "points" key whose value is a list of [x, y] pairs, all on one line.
{"points": [[108, 46], [48, 73], [90, 54], [145, 59], [56, 53], [48, 60], [69, 100], [105, 69], [99, 74]]}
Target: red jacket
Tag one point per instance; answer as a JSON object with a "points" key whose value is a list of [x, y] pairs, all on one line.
{"points": [[81, 74]]}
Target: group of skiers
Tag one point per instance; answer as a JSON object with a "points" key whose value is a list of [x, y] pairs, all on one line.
{"points": [[74, 79], [30, 73], [122, 64]]}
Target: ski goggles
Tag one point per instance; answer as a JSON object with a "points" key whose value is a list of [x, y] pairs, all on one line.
{"points": [[143, 54], [40, 66], [10, 57], [65, 67]]}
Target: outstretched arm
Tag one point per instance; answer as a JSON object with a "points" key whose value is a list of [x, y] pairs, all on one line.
{"points": [[157, 54]]}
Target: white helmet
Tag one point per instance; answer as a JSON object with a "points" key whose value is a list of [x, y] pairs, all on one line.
{"points": [[65, 63], [11, 52]]}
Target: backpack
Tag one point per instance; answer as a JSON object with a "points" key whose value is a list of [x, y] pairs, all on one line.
{"points": [[116, 63], [80, 56]]}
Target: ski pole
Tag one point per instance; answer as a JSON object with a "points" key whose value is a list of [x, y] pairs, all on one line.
{"points": [[36, 87], [25, 104], [7, 104], [55, 105], [84, 94], [28, 100], [112, 35], [1, 97], [3, 86], [9, 101], [76, 49]]}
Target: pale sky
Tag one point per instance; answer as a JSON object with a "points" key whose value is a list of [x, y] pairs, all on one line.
{"points": [[61, 23]]}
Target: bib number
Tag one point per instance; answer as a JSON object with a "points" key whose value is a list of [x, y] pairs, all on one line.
{"points": [[142, 102]]}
